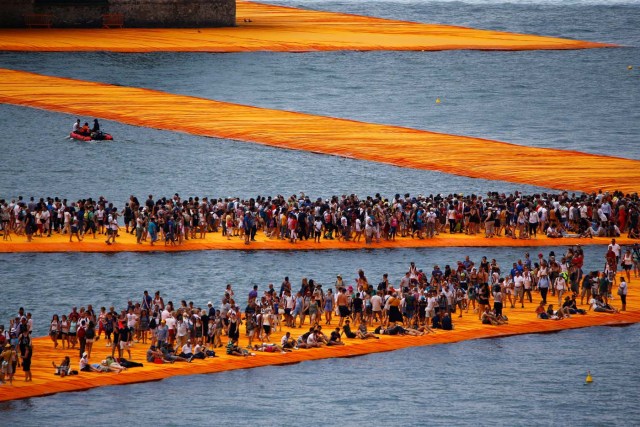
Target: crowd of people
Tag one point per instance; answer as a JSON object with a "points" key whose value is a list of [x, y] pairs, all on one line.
{"points": [[174, 220], [416, 304]]}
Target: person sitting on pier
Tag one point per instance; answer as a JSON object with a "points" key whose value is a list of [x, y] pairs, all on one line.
{"points": [[187, 351], [541, 312], [111, 365], [598, 305], [287, 342], [363, 334], [395, 329], [270, 348], [64, 368], [312, 340], [234, 350], [561, 313], [346, 330], [553, 232], [85, 366], [335, 338], [490, 318], [155, 356], [571, 305], [169, 354]]}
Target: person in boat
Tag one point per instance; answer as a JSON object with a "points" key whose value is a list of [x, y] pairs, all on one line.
{"points": [[76, 126], [95, 130], [84, 130]]}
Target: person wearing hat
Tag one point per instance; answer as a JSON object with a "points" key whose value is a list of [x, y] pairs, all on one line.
{"points": [[6, 359], [84, 363]]}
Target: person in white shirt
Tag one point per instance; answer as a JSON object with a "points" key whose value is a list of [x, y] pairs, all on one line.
{"points": [[187, 351], [171, 328], [560, 286], [431, 304], [67, 222], [376, 308], [45, 219], [181, 332], [622, 292], [405, 281], [616, 249], [533, 223], [100, 219], [518, 289], [84, 363], [199, 352], [527, 284], [312, 340], [131, 324], [59, 211], [543, 218], [584, 210], [602, 217], [112, 227], [358, 228], [317, 227]]}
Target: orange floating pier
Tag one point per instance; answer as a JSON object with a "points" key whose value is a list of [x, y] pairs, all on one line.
{"points": [[215, 241], [284, 29], [459, 155], [521, 321]]}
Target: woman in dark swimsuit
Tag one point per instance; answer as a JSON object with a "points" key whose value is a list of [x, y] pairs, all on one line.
{"points": [[483, 298]]}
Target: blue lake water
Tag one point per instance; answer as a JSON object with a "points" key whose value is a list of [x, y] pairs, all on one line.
{"points": [[585, 100]]}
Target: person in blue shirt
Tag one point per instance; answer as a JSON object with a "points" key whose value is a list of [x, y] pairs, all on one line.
{"points": [[153, 230]]}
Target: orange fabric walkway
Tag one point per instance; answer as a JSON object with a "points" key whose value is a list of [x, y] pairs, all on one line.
{"points": [[215, 241], [459, 155], [521, 321], [284, 29]]}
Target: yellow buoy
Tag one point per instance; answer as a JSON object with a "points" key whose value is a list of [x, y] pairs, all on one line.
{"points": [[630, 67], [589, 378], [437, 100]]}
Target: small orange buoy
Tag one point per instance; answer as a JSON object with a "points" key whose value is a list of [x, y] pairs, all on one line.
{"points": [[589, 379]]}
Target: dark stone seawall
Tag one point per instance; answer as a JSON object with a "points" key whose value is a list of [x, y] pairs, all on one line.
{"points": [[137, 13]]}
